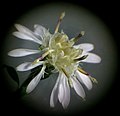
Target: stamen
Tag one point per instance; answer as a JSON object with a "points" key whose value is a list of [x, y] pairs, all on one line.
{"points": [[93, 80], [36, 61], [59, 21], [82, 71], [80, 35], [43, 56], [59, 44], [81, 58], [84, 99], [65, 72], [70, 82], [62, 53]]}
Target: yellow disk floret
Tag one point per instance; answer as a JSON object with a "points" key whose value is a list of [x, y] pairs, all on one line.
{"points": [[63, 54]]}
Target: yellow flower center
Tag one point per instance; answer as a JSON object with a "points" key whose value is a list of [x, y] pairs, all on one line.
{"points": [[63, 53]]}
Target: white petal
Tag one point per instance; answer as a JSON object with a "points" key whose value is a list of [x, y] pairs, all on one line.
{"points": [[26, 37], [26, 33], [22, 36], [84, 79], [28, 66], [85, 47], [78, 88], [92, 58], [66, 99], [23, 29], [61, 89], [40, 30], [54, 94], [22, 52], [35, 81]]}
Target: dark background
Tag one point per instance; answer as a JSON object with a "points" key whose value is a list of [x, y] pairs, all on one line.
{"points": [[107, 10]]}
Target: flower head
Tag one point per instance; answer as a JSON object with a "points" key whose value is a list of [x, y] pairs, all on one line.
{"points": [[61, 53]]}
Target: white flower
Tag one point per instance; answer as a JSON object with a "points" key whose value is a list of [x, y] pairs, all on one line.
{"points": [[63, 55]]}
